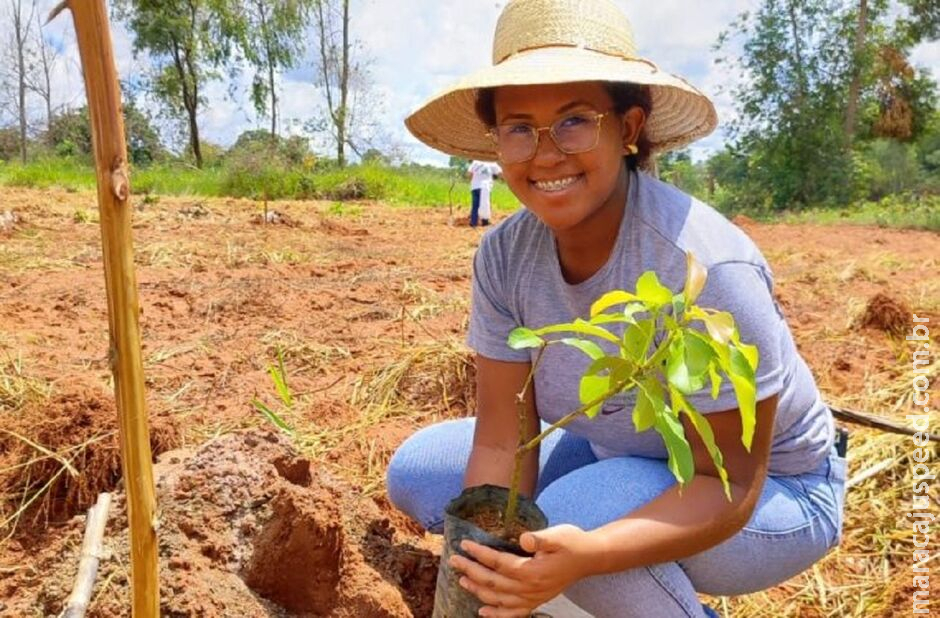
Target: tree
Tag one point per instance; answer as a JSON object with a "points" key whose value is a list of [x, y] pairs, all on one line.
{"points": [[272, 39], [40, 79], [794, 67], [17, 54], [188, 41], [69, 134], [332, 25]]}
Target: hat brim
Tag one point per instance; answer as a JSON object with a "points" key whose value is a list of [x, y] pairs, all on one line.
{"points": [[448, 121]]}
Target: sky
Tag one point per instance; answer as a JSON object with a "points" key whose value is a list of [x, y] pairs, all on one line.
{"points": [[417, 47]]}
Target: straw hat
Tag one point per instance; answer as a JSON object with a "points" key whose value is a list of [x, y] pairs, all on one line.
{"points": [[556, 42]]}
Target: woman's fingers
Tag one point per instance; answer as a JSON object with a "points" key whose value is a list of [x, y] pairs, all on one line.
{"points": [[484, 577], [501, 562], [495, 598]]}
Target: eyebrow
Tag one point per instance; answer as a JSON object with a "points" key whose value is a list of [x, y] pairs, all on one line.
{"points": [[561, 110]]}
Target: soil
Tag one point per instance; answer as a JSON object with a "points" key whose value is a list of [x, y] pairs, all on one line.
{"points": [[368, 307], [249, 528]]}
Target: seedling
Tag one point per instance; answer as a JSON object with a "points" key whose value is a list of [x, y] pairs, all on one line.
{"points": [[279, 379], [662, 374]]}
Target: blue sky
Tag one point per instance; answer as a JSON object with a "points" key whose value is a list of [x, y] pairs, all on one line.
{"points": [[419, 46]]}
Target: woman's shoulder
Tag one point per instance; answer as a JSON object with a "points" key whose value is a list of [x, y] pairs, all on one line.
{"points": [[684, 223], [516, 233]]}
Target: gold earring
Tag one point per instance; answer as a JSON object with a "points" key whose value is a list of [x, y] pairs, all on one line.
{"points": [[632, 149]]}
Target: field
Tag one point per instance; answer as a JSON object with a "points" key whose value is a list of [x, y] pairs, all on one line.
{"points": [[366, 304]]}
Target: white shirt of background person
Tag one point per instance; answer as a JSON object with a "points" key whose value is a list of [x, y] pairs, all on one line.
{"points": [[481, 177]]}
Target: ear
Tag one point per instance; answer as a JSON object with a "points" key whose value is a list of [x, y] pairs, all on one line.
{"points": [[633, 121]]}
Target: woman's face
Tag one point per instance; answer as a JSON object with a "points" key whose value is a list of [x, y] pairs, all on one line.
{"points": [[565, 190]]}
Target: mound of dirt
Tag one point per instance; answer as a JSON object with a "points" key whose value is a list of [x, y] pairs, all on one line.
{"points": [[886, 314], [77, 427], [247, 528]]}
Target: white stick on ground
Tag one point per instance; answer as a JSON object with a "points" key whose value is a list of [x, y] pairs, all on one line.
{"points": [[95, 523]]}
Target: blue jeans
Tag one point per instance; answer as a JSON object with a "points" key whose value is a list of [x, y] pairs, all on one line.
{"points": [[797, 519], [474, 207]]}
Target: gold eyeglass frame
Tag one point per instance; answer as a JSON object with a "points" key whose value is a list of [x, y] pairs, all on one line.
{"points": [[598, 118]]}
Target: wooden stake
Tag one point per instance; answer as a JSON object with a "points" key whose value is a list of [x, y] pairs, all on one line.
{"points": [[107, 127], [97, 519]]}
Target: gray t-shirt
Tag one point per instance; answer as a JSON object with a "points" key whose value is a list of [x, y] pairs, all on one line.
{"points": [[518, 282]]}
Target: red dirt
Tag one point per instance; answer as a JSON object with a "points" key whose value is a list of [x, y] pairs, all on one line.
{"points": [[346, 297], [248, 528]]}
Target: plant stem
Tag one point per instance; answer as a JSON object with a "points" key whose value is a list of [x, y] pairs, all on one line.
{"points": [[512, 502]]}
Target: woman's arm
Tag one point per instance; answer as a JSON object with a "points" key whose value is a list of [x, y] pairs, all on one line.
{"points": [[672, 526], [676, 525], [497, 426]]}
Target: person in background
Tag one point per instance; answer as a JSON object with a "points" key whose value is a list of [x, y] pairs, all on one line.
{"points": [[481, 175]]}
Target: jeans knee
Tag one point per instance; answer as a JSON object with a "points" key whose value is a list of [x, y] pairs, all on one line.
{"points": [[399, 482]]}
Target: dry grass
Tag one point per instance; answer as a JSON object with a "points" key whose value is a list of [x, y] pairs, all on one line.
{"points": [[877, 545]]}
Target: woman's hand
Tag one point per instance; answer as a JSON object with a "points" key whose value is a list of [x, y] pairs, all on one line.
{"points": [[511, 585]]}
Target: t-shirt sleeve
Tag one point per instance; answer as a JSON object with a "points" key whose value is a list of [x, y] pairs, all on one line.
{"points": [[490, 317], [745, 291]]}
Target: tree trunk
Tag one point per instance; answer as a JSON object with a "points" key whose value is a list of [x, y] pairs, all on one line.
{"points": [[273, 99], [851, 108], [344, 88], [269, 57], [798, 52], [20, 34]]}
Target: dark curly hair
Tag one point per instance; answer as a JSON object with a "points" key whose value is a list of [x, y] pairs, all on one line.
{"points": [[624, 95]]}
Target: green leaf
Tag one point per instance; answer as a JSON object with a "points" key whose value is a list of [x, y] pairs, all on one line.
{"points": [[591, 388], [279, 377], [649, 404], [590, 348], [522, 337], [719, 324], [680, 462], [745, 389], [271, 415], [637, 339], [716, 380], [651, 291], [610, 299], [704, 429], [580, 327], [608, 318], [605, 363], [695, 277], [750, 353], [688, 362]]}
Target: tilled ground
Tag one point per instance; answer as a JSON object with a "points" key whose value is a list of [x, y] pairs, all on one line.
{"points": [[367, 305]]}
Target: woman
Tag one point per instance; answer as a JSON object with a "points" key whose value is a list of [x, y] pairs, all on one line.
{"points": [[573, 116]]}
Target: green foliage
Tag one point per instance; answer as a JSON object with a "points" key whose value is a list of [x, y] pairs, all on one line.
{"points": [[794, 146], [271, 36], [677, 168], [279, 380], [188, 42], [409, 185], [459, 165], [9, 143], [696, 347], [69, 135]]}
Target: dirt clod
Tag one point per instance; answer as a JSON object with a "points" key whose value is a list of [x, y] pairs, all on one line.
{"points": [[886, 314]]}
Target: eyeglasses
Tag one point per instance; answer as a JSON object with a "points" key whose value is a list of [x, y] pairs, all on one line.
{"points": [[573, 134]]}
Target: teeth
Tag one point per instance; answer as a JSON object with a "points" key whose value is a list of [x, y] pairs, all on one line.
{"points": [[555, 185]]}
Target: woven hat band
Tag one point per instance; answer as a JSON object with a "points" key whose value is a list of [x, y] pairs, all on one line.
{"points": [[532, 24]]}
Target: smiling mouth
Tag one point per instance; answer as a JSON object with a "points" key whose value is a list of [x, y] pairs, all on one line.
{"points": [[554, 186]]}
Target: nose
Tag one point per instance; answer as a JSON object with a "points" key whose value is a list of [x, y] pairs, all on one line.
{"points": [[547, 153]]}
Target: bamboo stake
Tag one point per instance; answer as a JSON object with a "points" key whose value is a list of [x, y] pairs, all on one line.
{"points": [[78, 601], [107, 126]]}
